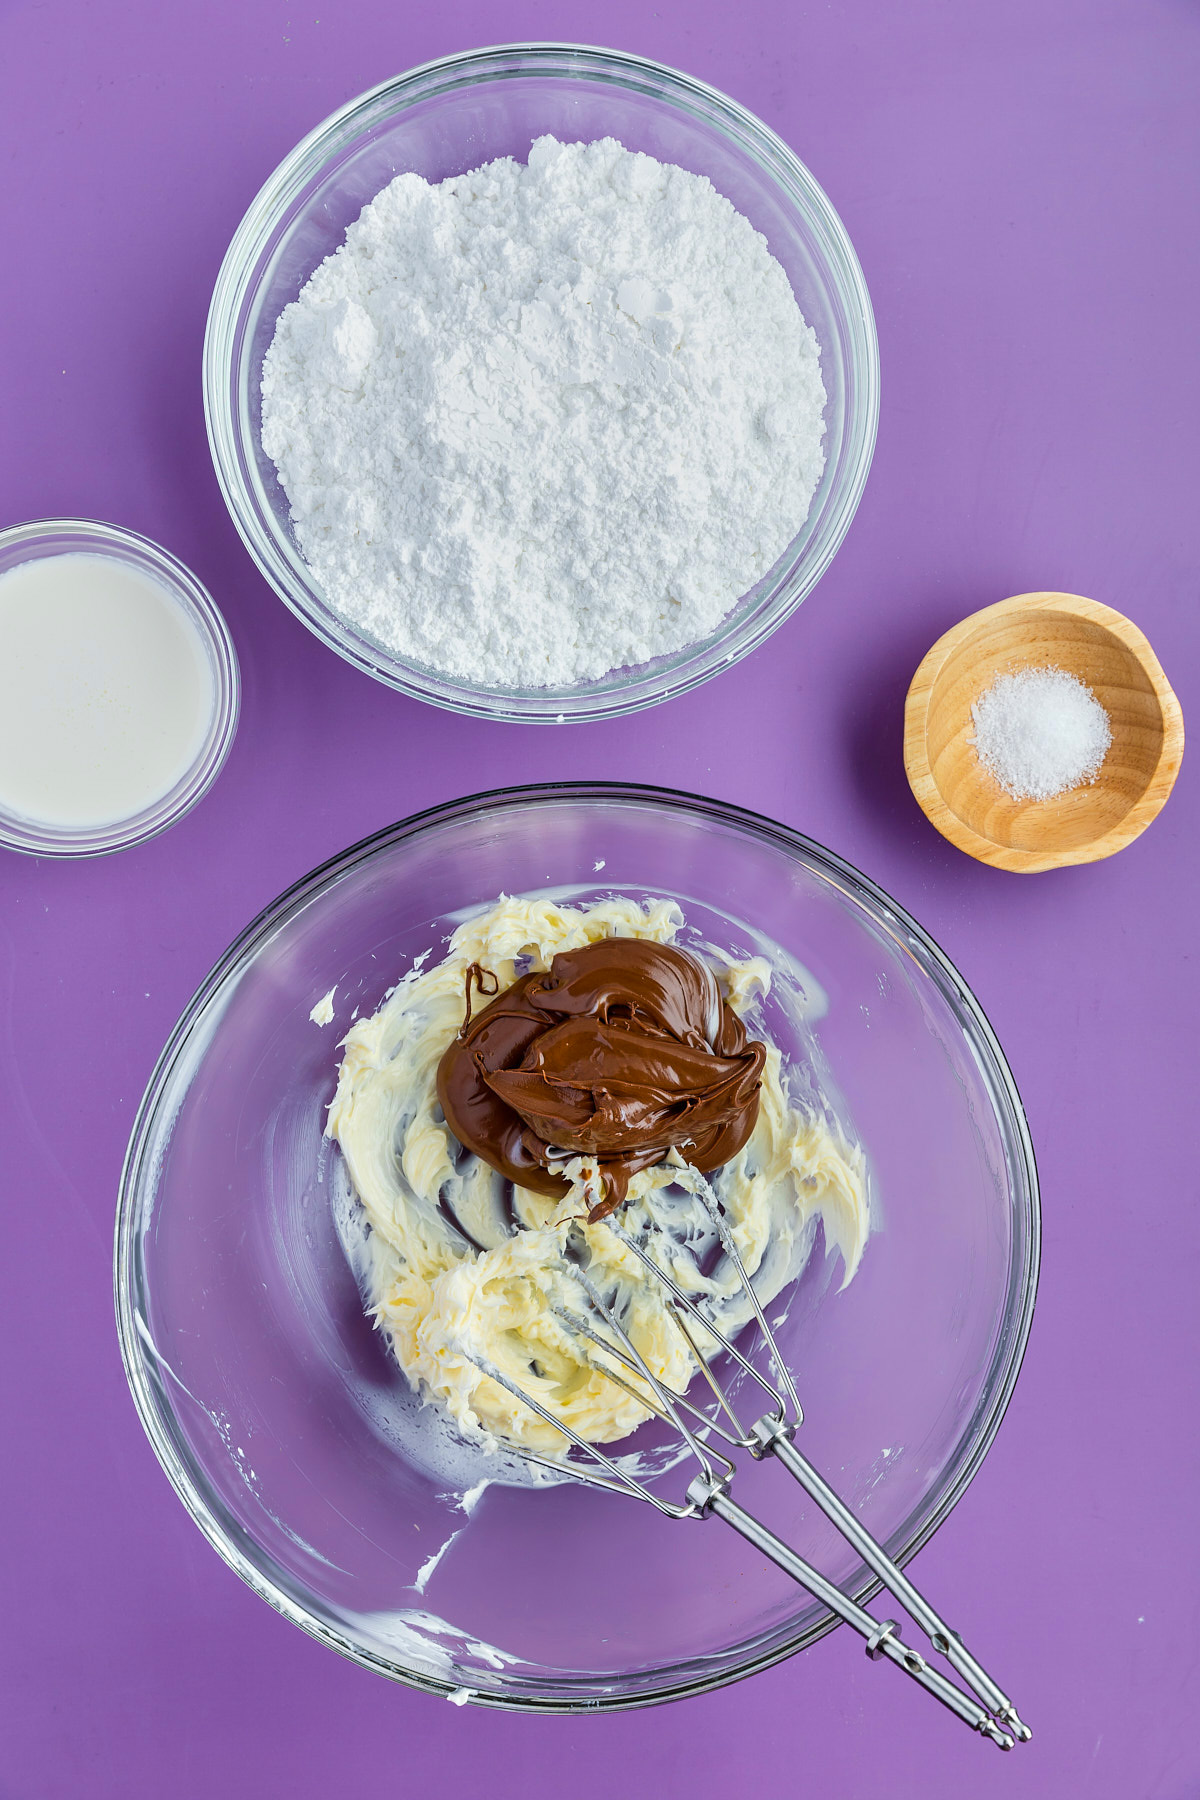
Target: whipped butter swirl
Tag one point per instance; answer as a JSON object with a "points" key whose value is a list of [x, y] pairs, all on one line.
{"points": [[466, 1264]]}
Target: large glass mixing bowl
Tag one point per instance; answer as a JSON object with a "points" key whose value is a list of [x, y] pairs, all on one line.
{"points": [[449, 117], [273, 1405]]}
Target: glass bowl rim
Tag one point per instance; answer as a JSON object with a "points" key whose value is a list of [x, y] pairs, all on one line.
{"points": [[884, 910], [98, 537], [257, 236]]}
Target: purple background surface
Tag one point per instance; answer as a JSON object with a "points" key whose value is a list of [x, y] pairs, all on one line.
{"points": [[1020, 181]]}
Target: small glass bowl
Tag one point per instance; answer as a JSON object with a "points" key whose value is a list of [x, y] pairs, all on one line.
{"points": [[451, 116], [59, 537], [285, 1424]]}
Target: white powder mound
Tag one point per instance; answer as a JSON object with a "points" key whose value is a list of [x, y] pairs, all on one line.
{"points": [[541, 421], [1039, 732]]}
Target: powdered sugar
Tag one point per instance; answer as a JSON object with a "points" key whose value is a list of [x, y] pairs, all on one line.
{"points": [[540, 421]]}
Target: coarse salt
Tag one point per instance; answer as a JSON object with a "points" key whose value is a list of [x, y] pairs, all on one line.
{"points": [[1039, 732]]}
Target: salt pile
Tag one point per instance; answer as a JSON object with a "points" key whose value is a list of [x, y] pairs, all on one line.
{"points": [[1039, 732]]}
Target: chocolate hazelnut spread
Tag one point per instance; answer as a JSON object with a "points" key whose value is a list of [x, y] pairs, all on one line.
{"points": [[621, 1050]]}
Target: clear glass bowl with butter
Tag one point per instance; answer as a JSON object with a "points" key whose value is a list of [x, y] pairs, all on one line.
{"points": [[275, 1407], [451, 116]]}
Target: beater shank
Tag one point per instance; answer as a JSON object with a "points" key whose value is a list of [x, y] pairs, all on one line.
{"points": [[606, 1348]]}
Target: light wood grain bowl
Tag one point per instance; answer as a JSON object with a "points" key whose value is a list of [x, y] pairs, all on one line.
{"points": [[1108, 653]]}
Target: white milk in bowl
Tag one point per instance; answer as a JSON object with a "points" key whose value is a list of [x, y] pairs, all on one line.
{"points": [[107, 691]]}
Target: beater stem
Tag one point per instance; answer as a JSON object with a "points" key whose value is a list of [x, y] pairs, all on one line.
{"points": [[881, 1636], [773, 1438]]}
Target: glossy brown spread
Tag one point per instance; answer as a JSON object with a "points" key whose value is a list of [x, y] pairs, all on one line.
{"points": [[621, 1051]]}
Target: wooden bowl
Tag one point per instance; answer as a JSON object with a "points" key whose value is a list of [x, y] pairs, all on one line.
{"points": [[1104, 651]]}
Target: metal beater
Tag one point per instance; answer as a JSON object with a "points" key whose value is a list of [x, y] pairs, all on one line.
{"points": [[608, 1350]]}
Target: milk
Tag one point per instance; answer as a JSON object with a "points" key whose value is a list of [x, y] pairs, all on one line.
{"points": [[106, 690]]}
